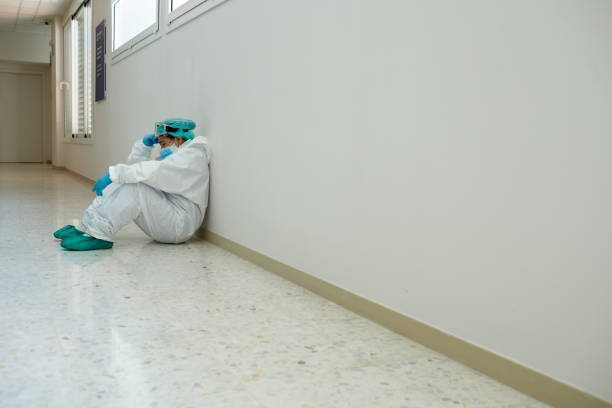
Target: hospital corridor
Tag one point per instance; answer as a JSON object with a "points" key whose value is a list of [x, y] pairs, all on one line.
{"points": [[287, 204], [190, 326]]}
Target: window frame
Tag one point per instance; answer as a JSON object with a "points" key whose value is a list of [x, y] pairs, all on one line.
{"points": [[150, 33], [188, 11]]}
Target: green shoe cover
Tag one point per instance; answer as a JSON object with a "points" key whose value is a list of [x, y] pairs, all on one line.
{"points": [[85, 243], [67, 232]]}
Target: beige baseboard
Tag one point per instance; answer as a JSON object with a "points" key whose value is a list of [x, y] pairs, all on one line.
{"points": [[521, 378], [79, 176]]}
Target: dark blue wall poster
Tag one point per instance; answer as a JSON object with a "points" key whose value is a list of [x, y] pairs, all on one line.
{"points": [[100, 64]]}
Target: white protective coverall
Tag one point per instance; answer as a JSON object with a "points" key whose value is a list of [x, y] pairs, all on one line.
{"points": [[166, 198]]}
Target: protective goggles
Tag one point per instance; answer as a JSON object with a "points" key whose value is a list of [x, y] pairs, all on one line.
{"points": [[162, 129]]}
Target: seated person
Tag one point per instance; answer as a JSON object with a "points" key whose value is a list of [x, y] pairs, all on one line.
{"points": [[166, 197]]}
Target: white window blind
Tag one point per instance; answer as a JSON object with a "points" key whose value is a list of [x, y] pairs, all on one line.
{"points": [[81, 73], [66, 84]]}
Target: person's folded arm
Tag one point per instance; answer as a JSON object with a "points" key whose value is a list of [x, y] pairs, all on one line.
{"points": [[175, 174], [139, 152]]}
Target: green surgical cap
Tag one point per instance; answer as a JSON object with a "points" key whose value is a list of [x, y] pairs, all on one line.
{"points": [[184, 127]]}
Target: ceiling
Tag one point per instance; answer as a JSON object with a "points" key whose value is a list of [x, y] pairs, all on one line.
{"points": [[30, 15]]}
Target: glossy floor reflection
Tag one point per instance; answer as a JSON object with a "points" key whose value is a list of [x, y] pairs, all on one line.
{"points": [[191, 325]]}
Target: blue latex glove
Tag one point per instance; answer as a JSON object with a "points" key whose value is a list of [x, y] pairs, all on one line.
{"points": [[101, 184], [165, 152], [149, 140]]}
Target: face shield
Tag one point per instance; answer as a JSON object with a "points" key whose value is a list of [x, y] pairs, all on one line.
{"points": [[163, 129]]}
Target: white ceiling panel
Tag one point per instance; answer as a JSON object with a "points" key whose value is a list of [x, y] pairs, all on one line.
{"points": [[30, 15], [28, 11], [49, 7]]}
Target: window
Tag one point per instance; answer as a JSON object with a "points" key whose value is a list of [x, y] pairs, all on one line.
{"points": [[67, 80], [81, 72], [76, 79], [81, 25], [133, 21]]}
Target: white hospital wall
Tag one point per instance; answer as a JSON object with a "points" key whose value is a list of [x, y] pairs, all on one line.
{"points": [[449, 160], [16, 46]]}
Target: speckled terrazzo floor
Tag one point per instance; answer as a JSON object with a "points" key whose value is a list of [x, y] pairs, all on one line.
{"points": [[152, 325]]}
